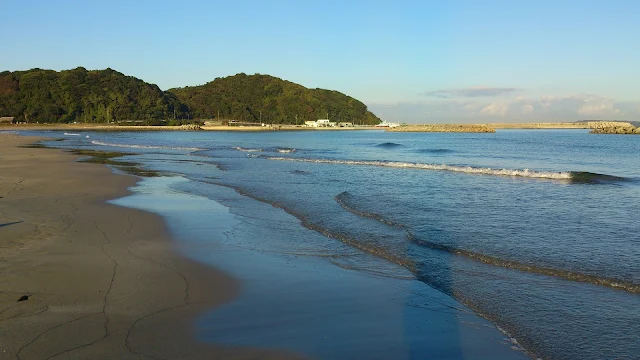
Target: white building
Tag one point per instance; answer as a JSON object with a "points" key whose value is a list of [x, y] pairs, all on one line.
{"points": [[320, 123], [385, 124]]}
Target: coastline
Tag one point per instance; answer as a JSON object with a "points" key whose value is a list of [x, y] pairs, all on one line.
{"points": [[101, 281], [112, 281], [116, 128], [291, 299], [489, 127]]}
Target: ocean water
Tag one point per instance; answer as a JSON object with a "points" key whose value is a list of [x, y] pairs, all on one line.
{"points": [[535, 230]]}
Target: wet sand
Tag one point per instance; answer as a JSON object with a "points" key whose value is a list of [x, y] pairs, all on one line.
{"points": [[100, 281]]}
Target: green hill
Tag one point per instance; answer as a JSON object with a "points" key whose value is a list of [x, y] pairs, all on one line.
{"points": [[95, 96], [80, 95], [257, 97]]}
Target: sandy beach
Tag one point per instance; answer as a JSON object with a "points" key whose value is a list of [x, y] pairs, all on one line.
{"points": [[108, 127], [85, 279]]}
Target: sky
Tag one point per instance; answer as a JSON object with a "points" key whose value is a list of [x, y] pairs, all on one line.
{"points": [[426, 61]]}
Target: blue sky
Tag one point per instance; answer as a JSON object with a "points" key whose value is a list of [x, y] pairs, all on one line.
{"points": [[412, 61]]}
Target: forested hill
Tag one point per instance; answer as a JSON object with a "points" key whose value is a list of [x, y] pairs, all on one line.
{"points": [[81, 95], [84, 96], [262, 97]]}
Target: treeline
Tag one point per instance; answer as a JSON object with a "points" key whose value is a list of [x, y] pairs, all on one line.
{"points": [[267, 99], [101, 96], [80, 95]]}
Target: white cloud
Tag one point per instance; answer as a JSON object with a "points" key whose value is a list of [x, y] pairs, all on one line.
{"points": [[517, 109], [472, 92], [495, 109], [595, 109]]}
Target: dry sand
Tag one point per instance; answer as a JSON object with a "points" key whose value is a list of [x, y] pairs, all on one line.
{"points": [[102, 281]]}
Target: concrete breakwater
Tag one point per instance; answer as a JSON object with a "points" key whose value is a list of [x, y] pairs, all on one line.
{"points": [[470, 128], [613, 128]]}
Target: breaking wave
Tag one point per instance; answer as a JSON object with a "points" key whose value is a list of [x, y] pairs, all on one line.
{"points": [[285, 150], [247, 149], [572, 176], [135, 146], [71, 134]]}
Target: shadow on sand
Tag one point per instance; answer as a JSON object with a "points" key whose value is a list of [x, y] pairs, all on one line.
{"points": [[11, 223]]}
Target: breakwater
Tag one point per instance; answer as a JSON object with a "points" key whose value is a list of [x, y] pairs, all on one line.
{"points": [[467, 128]]}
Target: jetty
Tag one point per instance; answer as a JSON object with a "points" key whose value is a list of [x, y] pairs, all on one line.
{"points": [[613, 127], [463, 128]]}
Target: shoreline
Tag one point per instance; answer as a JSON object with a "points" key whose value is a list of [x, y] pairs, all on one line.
{"points": [[100, 280], [484, 127], [275, 301], [116, 128]]}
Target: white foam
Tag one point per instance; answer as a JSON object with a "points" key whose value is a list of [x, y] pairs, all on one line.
{"points": [[564, 175], [134, 146], [72, 134], [286, 151], [246, 149]]}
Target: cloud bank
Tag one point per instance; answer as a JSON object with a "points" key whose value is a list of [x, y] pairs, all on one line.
{"points": [[472, 92], [467, 107]]}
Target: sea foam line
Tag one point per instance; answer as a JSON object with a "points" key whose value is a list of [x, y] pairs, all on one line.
{"points": [[564, 175], [134, 146], [247, 149], [285, 150]]}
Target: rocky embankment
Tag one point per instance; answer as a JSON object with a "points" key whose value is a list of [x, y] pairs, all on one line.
{"points": [[613, 128], [444, 128], [190, 127]]}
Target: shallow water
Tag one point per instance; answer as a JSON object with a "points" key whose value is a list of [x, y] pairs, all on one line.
{"points": [[535, 230]]}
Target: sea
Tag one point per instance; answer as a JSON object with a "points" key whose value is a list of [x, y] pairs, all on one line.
{"points": [[525, 242]]}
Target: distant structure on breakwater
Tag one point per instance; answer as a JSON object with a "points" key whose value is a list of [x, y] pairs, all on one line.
{"points": [[388, 125]]}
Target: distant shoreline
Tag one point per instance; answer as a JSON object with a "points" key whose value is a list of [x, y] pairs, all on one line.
{"points": [[102, 127], [441, 127]]}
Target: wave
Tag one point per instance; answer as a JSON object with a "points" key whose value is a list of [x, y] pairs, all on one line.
{"points": [[595, 178], [510, 264], [389, 145], [72, 134], [434, 151], [135, 146], [570, 176], [377, 251], [285, 150], [344, 198], [299, 172], [349, 264], [247, 149], [525, 173]]}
